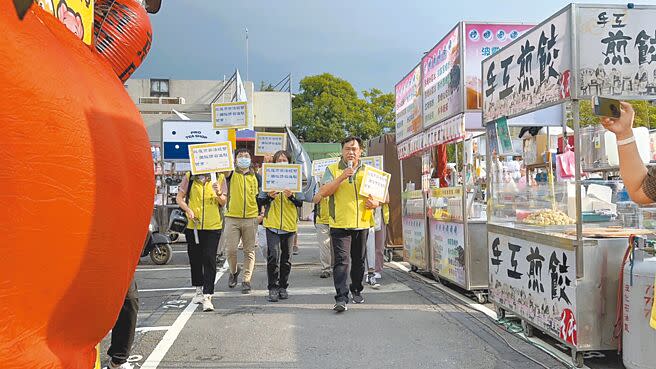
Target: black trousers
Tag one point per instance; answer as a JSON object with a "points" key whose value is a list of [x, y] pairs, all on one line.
{"points": [[279, 262], [349, 248], [124, 328], [202, 258]]}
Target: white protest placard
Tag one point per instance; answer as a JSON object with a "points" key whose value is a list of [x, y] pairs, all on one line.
{"points": [[375, 184], [280, 177], [211, 158], [232, 115], [319, 166], [373, 161], [269, 143]]}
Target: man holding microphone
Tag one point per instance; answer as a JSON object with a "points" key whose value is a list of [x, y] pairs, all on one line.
{"points": [[349, 218]]}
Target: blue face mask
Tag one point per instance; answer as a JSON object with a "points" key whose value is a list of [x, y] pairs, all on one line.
{"points": [[243, 163]]}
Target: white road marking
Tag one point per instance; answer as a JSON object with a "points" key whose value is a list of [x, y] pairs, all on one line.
{"points": [[540, 344], [155, 269], [163, 347], [153, 329], [167, 289]]}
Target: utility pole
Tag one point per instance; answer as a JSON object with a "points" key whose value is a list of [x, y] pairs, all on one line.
{"points": [[247, 78]]}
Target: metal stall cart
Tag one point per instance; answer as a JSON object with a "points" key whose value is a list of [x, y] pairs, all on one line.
{"points": [[413, 205], [409, 141], [556, 237], [451, 86]]}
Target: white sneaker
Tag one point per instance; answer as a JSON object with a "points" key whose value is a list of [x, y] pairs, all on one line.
{"points": [[378, 276], [207, 303], [373, 282], [198, 298]]}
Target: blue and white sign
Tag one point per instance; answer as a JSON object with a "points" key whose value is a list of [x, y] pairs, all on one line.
{"points": [[177, 135]]}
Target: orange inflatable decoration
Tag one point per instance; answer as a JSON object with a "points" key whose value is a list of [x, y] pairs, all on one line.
{"points": [[78, 188]]}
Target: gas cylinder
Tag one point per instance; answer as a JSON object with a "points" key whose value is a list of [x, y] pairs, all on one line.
{"points": [[638, 295]]}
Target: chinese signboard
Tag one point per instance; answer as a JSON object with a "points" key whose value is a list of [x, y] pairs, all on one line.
{"points": [[410, 147], [269, 143], [280, 177], [177, 135], [414, 241], [230, 115], [211, 158], [482, 41], [617, 54], [531, 73], [374, 161], [536, 281], [375, 184], [319, 166], [448, 244], [448, 192], [408, 105], [448, 131], [441, 80]]}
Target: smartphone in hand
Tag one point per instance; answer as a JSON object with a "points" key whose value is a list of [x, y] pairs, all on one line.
{"points": [[606, 107]]}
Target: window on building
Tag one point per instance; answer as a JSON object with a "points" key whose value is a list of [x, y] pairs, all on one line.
{"points": [[159, 87]]}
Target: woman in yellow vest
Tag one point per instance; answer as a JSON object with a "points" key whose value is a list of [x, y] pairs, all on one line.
{"points": [[200, 200], [281, 223]]}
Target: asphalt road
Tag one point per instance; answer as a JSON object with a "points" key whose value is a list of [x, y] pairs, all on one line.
{"points": [[407, 323]]}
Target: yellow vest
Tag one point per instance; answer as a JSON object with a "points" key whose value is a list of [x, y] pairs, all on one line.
{"points": [[281, 214], [242, 196], [205, 205], [323, 213], [386, 213], [652, 320], [346, 206]]}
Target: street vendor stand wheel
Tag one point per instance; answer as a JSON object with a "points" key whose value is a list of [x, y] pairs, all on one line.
{"points": [[481, 297], [501, 313], [527, 328], [414, 268], [577, 358]]}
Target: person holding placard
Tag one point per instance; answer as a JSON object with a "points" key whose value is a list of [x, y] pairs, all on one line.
{"points": [[350, 219], [241, 218], [281, 223], [200, 199], [322, 225]]}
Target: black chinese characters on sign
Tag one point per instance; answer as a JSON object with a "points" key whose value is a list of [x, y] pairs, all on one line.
{"points": [[559, 280]]}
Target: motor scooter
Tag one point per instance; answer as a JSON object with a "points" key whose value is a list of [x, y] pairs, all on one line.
{"points": [[158, 244]]}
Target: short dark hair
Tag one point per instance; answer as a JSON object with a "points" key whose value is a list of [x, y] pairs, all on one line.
{"points": [[280, 153], [240, 150], [352, 138]]}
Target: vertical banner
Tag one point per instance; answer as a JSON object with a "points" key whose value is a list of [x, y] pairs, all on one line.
{"points": [[531, 73], [448, 243], [617, 54], [441, 79], [482, 41], [408, 105]]}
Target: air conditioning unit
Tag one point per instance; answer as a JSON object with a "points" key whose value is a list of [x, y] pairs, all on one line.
{"points": [[161, 100]]}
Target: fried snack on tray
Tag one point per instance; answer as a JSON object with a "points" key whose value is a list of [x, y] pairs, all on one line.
{"points": [[547, 217]]}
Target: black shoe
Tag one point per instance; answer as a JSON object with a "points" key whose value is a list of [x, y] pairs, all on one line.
{"points": [[273, 295], [220, 260], [283, 294], [340, 307], [357, 298], [232, 279], [324, 274], [245, 288]]}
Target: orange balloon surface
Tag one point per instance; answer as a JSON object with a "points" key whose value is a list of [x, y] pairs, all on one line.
{"points": [[77, 194]]}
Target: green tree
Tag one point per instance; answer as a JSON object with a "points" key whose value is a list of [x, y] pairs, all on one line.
{"points": [[382, 107], [327, 109], [266, 86]]}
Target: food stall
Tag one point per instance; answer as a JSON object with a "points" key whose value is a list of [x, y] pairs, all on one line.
{"points": [[557, 235], [455, 195]]}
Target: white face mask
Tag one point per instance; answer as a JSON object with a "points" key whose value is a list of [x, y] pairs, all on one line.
{"points": [[243, 163]]}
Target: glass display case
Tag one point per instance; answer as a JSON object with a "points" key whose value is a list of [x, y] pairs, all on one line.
{"points": [[457, 216]]}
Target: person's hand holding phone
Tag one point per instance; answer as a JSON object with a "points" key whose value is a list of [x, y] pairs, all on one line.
{"points": [[622, 126]]}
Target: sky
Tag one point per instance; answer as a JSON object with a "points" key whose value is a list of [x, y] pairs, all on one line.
{"points": [[370, 43]]}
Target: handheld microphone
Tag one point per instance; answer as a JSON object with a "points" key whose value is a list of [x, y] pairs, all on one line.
{"points": [[350, 165]]}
